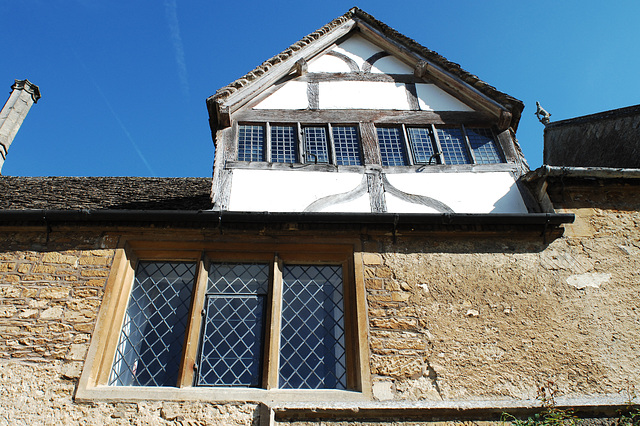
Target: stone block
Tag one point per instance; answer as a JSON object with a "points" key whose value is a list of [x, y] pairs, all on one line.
{"points": [[11, 278], [29, 292], [7, 311], [10, 291], [383, 391], [77, 352], [399, 296], [374, 283], [394, 323], [94, 260], [51, 313], [94, 283], [44, 269], [54, 293], [54, 257], [397, 366], [372, 259], [28, 313], [94, 273], [7, 267], [24, 268]]}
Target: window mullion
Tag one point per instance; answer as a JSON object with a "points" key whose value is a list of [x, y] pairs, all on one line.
{"points": [[472, 156], [272, 348], [332, 149], [407, 146], [302, 152], [438, 146], [192, 336], [267, 141]]}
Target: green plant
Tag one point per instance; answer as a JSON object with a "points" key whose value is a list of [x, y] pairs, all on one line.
{"points": [[551, 415]]}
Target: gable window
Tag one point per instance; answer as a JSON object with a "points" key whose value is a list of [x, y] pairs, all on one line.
{"points": [[392, 146], [404, 145], [246, 319], [325, 144]]}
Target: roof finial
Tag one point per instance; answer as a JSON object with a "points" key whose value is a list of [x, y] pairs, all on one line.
{"points": [[542, 114]]}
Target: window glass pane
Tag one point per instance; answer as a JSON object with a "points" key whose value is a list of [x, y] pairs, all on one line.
{"points": [[312, 351], [421, 141], [453, 146], [283, 144], [250, 143], [315, 145], [391, 146], [150, 346], [233, 325], [484, 147], [345, 139]]}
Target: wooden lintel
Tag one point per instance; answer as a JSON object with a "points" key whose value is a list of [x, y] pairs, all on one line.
{"points": [[504, 121]]}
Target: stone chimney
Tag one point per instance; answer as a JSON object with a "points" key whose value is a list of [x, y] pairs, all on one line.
{"points": [[23, 95]]}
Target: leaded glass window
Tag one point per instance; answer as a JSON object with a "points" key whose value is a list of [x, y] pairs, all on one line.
{"points": [[232, 337], [484, 147], [392, 150], [250, 143], [422, 142], [315, 145], [347, 146], [312, 350], [150, 345], [454, 150], [283, 144]]}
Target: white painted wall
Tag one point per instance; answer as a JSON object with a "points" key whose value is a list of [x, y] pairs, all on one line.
{"points": [[390, 65], [328, 63], [432, 98], [292, 190], [363, 95], [358, 49], [293, 95], [491, 192]]}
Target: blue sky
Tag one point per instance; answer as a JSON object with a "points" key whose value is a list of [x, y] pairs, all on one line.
{"points": [[124, 83]]}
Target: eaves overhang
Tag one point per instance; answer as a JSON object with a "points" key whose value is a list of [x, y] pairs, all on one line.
{"points": [[211, 219]]}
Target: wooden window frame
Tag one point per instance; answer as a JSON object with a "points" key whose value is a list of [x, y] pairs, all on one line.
{"points": [[93, 383]]}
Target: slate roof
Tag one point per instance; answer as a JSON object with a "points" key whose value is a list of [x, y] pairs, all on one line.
{"points": [[514, 105], [607, 139], [101, 193]]}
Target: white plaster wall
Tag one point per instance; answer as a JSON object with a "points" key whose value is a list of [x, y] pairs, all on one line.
{"points": [[328, 63], [362, 95], [293, 95], [358, 49], [292, 190], [432, 98], [390, 65], [491, 192]]}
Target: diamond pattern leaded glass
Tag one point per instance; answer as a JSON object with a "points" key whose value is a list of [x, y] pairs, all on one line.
{"points": [[453, 146], [483, 146], [283, 144], [391, 146], [315, 145], [347, 147], [150, 345], [250, 143], [421, 141], [232, 336], [312, 349]]}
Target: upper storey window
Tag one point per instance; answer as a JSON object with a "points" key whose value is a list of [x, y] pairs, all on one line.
{"points": [[324, 144], [401, 145]]}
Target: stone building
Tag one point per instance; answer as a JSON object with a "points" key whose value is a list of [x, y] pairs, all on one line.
{"points": [[372, 248]]}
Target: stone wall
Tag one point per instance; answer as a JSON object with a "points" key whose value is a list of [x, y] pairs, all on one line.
{"points": [[451, 317]]}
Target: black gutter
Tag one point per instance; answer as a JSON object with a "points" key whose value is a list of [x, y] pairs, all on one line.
{"points": [[216, 218]]}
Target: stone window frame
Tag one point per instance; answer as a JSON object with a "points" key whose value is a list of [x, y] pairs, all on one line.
{"points": [[93, 381]]}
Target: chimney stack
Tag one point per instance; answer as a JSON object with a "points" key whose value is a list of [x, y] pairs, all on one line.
{"points": [[23, 95]]}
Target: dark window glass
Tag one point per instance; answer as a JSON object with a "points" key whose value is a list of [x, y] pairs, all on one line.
{"points": [[283, 144], [233, 326], [150, 346], [315, 145], [391, 144], [453, 146], [347, 146], [250, 143], [485, 149], [421, 141], [312, 349]]}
